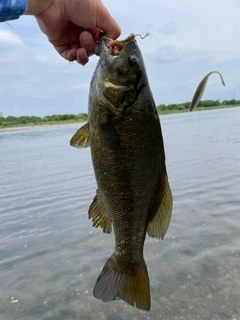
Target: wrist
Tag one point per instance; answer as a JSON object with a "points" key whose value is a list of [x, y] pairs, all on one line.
{"points": [[36, 7]]}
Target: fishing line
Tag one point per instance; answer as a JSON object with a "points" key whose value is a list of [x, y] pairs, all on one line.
{"points": [[9, 25], [169, 52], [186, 70]]}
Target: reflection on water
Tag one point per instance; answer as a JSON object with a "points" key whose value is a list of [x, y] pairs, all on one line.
{"points": [[50, 256]]}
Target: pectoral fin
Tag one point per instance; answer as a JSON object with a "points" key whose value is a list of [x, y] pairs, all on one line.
{"points": [[157, 227], [81, 139], [97, 214]]}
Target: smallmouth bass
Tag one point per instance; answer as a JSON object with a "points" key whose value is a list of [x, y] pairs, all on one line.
{"points": [[128, 157]]}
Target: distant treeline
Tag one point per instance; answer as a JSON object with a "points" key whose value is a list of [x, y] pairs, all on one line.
{"points": [[163, 108], [11, 121], [32, 120]]}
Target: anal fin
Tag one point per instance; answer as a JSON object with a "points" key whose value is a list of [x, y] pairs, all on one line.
{"points": [[158, 226], [81, 138], [97, 214]]}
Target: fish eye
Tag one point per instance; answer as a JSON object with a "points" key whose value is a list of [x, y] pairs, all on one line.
{"points": [[131, 61]]}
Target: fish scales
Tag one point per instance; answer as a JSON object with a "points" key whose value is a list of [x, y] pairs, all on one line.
{"points": [[123, 180], [128, 158]]}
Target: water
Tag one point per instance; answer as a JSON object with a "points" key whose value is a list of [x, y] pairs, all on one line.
{"points": [[50, 256]]}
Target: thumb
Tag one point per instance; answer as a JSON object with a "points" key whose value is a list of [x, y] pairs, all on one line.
{"points": [[106, 23]]}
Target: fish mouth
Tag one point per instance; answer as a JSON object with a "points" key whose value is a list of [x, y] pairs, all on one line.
{"points": [[113, 47]]}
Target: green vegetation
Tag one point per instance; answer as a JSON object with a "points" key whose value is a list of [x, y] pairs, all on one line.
{"points": [[48, 120], [203, 105], [82, 117]]}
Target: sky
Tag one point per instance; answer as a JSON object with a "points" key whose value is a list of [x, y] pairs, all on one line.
{"points": [[188, 39]]}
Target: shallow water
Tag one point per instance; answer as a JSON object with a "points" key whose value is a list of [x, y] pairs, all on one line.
{"points": [[50, 256]]}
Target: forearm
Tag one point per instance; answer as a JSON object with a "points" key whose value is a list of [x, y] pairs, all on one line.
{"points": [[35, 7]]}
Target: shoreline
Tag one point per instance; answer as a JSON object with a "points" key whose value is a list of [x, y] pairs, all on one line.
{"points": [[41, 126], [46, 125]]}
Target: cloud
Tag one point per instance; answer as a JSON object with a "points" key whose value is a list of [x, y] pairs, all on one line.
{"points": [[170, 54], [46, 61], [11, 46], [83, 86], [186, 42], [168, 28], [164, 54], [10, 39]]}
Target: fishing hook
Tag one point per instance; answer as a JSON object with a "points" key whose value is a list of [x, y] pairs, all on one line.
{"points": [[138, 34]]}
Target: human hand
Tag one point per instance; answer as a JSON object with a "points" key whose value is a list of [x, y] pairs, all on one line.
{"points": [[73, 26]]}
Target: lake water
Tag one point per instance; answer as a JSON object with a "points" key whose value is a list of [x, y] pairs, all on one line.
{"points": [[50, 256]]}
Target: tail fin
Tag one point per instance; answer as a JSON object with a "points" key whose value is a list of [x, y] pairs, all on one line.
{"points": [[129, 284]]}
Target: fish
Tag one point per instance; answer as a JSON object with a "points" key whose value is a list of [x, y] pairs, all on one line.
{"points": [[133, 194], [201, 88]]}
